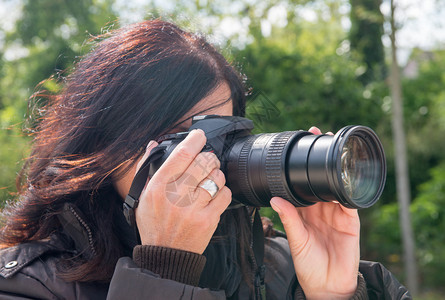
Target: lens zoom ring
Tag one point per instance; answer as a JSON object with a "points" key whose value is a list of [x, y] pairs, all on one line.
{"points": [[274, 173], [244, 185]]}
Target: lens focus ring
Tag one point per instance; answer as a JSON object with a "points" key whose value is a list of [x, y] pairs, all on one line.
{"points": [[275, 170], [245, 186]]}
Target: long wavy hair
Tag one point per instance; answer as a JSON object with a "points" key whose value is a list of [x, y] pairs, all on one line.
{"points": [[135, 85]]}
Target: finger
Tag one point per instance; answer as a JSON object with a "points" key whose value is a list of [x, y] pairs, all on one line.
{"points": [[181, 157], [314, 130], [199, 169], [202, 195], [293, 225], [352, 212], [187, 182]]}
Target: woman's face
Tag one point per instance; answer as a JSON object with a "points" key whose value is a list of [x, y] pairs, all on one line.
{"points": [[218, 102], [207, 106]]}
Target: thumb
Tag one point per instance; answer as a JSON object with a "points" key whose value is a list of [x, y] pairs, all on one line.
{"points": [[296, 231]]}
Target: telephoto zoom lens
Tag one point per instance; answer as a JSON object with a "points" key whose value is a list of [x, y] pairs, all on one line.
{"points": [[303, 168]]}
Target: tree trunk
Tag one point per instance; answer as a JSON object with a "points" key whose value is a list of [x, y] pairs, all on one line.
{"points": [[403, 186]]}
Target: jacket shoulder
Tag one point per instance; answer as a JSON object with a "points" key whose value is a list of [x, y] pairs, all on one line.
{"points": [[14, 259]]}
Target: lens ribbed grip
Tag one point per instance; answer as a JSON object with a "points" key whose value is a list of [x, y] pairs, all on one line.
{"points": [[275, 174]]}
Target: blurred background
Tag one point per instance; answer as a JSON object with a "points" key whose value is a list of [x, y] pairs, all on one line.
{"points": [[378, 63]]}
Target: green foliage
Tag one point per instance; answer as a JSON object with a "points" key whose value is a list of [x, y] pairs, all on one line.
{"points": [[381, 236], [428, 213], [431, 295], [12, 152], [424, 115], [299, 70], [55, 32], [51, 35], [13, 142]]}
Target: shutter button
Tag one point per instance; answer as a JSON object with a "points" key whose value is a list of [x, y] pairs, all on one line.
{"points": [[11, 264]]}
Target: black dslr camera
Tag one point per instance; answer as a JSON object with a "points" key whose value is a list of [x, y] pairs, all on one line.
{"points": [[298, 166]]}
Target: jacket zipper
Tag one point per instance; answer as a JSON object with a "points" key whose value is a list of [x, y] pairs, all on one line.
{"points": [[87, 228]]}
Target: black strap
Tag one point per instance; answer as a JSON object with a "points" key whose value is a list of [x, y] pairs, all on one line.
{"points": [[258, 251], [138, 184]]}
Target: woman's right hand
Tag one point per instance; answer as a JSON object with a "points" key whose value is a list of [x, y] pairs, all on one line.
{"points": [[174, 211]]}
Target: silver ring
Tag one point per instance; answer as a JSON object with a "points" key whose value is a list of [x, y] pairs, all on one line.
{"points": [[210, 186]]}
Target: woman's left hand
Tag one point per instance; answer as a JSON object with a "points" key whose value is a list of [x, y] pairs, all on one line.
{"points": [[324, 243]]}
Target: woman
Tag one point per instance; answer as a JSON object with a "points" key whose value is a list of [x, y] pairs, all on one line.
{"points": [[67, 235]]}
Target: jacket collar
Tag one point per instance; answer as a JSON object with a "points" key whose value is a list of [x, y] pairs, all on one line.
{"points": [[13, 259], [74, 225]]}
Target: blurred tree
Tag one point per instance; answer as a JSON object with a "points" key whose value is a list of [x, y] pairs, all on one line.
{"points": [[401, 163], [365, 36]]}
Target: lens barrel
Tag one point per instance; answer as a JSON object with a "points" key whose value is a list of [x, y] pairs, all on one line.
{"points": [[303, 168]]}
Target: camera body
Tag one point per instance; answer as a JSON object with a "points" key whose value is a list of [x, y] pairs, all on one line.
{"points": [[298, 166]]}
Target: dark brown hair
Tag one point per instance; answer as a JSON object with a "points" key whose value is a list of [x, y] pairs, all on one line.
{"points": [[130, 89]]}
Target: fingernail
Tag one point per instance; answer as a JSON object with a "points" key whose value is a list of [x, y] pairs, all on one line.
{"points": [[200, 130], [194, 131], [315, 130], [275, 206], [149, 144]]}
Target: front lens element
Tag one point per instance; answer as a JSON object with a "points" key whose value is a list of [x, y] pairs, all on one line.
{"points": [[358, 169]]}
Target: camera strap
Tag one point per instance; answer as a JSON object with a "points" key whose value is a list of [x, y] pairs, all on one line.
{"points": [[138, 184], [258, 251]]}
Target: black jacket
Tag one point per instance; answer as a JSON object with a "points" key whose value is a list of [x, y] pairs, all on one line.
{"points": [[27, 271]]}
